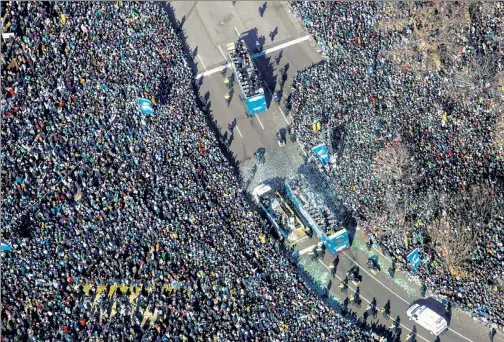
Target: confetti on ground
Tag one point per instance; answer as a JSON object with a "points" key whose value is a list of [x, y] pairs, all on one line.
{"points": [[336, 296], [359, 245], [279, 163], [318, 272], [409, 286]]}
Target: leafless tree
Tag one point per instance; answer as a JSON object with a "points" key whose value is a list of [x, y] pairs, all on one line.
{"points": [[479, 78], [394, 166], [453, 242], [498, 137], [461, 222], [433, 34], [397, 173]]}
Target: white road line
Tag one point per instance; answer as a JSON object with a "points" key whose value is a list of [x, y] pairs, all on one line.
{"points": [[222, 52], [212, 71], [268, 88], [239, 131], [393, 291], [366, 300], [287, 44], [460, 335], [238, 32], [298, 241], [257, 116], [283, 114], [401, 298], [306, 250], [328, 268], [281, 46], [279, 107], [376, 249], [202, 62]]}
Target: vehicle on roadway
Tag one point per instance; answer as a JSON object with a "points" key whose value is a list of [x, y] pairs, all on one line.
{"points": [[427, 318], [281, 138], [372, 264], [354, 276], [259, 155]]}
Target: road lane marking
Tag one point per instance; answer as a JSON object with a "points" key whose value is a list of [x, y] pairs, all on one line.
{"points": [[298, 241], [283, 114], [268, 88], [257, 116], [305, 250], [213, 71], [280, 47], [403, 299], [369, 274], [279, 107], [202, 62], [222, 52], [460, 334], [295, 41], [238, 32], [376, 249], [328, 268], [366, 300], [239, 131]]}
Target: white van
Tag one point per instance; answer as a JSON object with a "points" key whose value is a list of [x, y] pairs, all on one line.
{"points": [[427, 319]]}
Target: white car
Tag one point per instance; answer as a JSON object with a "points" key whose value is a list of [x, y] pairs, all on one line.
{"points": [[427, 318]]}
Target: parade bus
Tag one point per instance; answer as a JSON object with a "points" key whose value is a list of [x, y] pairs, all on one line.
{"points": [[280, 213], [247, 77], [318, 214]]}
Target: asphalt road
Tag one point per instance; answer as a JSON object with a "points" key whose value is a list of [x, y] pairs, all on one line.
{"points": [[400, 291], [209, 27]]}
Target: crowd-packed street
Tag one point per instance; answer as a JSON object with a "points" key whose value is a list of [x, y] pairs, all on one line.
{"points": [[124, 226], [97, 195], [365, 101]]}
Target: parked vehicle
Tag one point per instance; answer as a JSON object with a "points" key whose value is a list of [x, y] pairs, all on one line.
{"points": [[372, 264], [427, 318]]}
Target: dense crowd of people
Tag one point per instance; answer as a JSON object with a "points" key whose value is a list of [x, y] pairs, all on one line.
{"points": [[97, 195], [365, 100]]}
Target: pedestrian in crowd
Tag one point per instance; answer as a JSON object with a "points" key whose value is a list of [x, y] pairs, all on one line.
{"points": [[125, 226], [364, 100]]}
